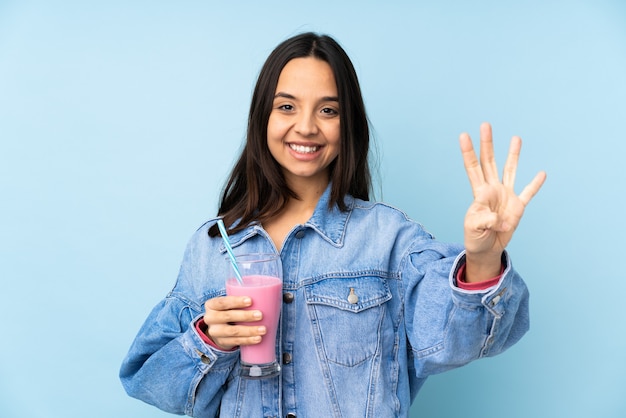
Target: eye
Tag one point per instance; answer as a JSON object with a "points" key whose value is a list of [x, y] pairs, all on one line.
{"points": [[285, 107], [329, 111]]}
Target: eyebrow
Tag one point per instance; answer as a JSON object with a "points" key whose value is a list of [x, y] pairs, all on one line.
{"points": [[292, 97]]}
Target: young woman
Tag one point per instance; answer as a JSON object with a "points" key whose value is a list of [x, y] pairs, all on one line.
{"points": [[373, 304]]}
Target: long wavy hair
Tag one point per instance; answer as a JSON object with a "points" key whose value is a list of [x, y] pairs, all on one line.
{"points": [[256, 189]]}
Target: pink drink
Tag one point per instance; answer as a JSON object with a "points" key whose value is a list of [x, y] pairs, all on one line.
{"points": [[266, 294]]}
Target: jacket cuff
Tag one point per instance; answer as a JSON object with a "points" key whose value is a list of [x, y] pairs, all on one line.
{"points": [[208, 357], [482, 285], [201, 328], [457, 275]]}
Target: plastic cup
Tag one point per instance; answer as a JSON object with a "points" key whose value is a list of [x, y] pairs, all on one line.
{"points": [[262, 282]]}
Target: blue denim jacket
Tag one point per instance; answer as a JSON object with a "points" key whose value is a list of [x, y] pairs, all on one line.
{"points": [[340, 359]]}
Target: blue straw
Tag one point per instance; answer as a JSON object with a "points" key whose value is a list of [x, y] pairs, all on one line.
{"points": [[229, 249]]}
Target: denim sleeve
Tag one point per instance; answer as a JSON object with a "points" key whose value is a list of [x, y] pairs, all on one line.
{"points": [[448, 327], [170, 367]]}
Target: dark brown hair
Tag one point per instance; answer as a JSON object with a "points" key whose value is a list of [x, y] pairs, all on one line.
{"points": [[256, 189]]}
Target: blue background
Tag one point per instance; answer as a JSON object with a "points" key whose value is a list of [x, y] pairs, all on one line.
{"points": [[120, 120]]}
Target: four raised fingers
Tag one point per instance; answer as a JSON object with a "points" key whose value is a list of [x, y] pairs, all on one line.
{"points": [[486, 170]]}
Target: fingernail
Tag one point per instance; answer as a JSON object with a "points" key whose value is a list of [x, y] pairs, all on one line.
{"points": [[258, 314], [247, 301], [261, 330]]}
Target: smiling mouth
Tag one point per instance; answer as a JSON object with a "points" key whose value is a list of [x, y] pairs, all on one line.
{"points": [[304, 149]]}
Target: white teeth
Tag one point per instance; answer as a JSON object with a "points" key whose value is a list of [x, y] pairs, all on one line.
{"points": [[303, 149]]}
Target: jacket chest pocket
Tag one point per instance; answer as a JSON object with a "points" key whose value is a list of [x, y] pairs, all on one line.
{"points": [[346, 316]]}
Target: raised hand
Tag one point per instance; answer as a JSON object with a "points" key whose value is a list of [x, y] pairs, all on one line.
{"points": [[496, 210]]}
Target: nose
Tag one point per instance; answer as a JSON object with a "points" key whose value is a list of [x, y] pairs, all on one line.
{"points": [[306, 124]]}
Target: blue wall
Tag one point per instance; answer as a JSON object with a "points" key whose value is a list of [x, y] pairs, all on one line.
{"points": [[118, 124]]}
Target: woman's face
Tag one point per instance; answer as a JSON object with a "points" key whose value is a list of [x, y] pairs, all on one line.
{"points": [[303, 132]]}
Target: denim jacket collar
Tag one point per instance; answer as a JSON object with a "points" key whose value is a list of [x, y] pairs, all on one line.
{"points": [[329, 223]]}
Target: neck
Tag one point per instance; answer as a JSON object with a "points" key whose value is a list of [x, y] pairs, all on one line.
{"points": [[308, 190], [308, 197], [296, 211]]}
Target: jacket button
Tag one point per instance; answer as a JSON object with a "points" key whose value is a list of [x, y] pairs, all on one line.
{"points": [[300, 235], [290, 415], [352, 297], [287, 297], [286, 358]]}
